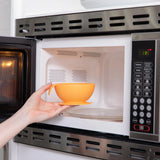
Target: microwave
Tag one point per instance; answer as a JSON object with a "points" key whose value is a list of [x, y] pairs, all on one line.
{"points": [[120, 55]]}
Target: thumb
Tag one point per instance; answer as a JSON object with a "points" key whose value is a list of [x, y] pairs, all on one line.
{"points": [[44, 88]]}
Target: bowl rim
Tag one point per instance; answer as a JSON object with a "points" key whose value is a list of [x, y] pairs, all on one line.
{"points": [[74, 84]]}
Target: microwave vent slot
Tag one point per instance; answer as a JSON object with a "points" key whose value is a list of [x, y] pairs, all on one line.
{"points": [[117, 24], [39, 24], [141, 16], [56, 75], [114, 146], [117, 18], [137, 150], [75, 27], [113, 149], [40, 29], [38, 136], [91, 54], [137, 153], [75, 24], [141, 23], [79, 75], [142, 19], [23, 25], [57, 28], [72, 142], [38, 139], [54, 139], [55, 136], [117, 21], [75, 21], [67, 53], [56, 25], [95, 19], [137, 157], [95, 22]]}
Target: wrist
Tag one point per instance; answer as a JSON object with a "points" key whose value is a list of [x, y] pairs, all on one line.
{"points": [[22, 117]]}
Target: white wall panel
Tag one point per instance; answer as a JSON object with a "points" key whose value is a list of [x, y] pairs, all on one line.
{"points": [[5, 12]]}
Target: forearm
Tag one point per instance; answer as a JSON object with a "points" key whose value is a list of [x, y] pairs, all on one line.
{"points": [[12, 126]]}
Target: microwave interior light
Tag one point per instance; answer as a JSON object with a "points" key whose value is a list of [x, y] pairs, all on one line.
{"points": [[6, 64]]}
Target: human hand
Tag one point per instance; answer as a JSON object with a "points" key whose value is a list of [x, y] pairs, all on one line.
{"points": [[36, 109]]}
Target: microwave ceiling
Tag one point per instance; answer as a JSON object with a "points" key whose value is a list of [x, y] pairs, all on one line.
{"points": [[85, 51], [129, 20]]}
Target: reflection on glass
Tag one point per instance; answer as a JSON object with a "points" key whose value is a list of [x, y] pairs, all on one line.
{"points": [[8, 79]]}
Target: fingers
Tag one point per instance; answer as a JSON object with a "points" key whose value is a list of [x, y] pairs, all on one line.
{"points": [[59, 110], [44, 88]]}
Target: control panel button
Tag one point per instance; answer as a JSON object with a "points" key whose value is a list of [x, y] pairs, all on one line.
{"points": [[135, 113], [134, 120], [138, 70], [135, 100], [141, 121], [135, 107], [137, 87], [141, 107], [149, 101], [142, 100], [141, 114], [147, 87], [140, 127], [147, 94], [138, 64], [149, 108], [148, 64], [138, 81], [148, 121], [147, 76], [147, 82], [147, 69], [138, 75], [148, 115], [137, 93]]}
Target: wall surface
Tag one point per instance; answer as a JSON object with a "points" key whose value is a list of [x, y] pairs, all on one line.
{"points": [[5, 12]]}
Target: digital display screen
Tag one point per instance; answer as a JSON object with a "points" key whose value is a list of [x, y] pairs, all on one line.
{"points": [[145, 52]]}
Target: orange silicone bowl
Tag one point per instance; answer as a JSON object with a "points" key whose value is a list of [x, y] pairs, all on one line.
{"points": [[74, 93]]}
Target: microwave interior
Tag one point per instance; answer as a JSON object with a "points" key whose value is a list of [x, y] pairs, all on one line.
{"points": [[11, 69], [103, 66]]}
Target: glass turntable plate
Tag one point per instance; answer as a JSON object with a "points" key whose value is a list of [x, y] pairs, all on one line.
{"points": [[113, 114]]}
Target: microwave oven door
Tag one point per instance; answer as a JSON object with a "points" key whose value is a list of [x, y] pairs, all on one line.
{"points": [[17, 73]]}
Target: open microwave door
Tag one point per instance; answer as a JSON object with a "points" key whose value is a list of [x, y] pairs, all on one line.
{"points": [[17, 73]]}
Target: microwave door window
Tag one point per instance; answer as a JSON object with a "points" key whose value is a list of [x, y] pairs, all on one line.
{"points": [[10, 79]]}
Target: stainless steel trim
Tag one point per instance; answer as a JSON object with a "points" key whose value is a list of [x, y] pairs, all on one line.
{"points": [[93, 146], [144, 136], [89, 23], [156, 88], [145, 36]]}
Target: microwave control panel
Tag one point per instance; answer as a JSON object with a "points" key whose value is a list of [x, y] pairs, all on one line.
{"points": [[142, 86]]}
